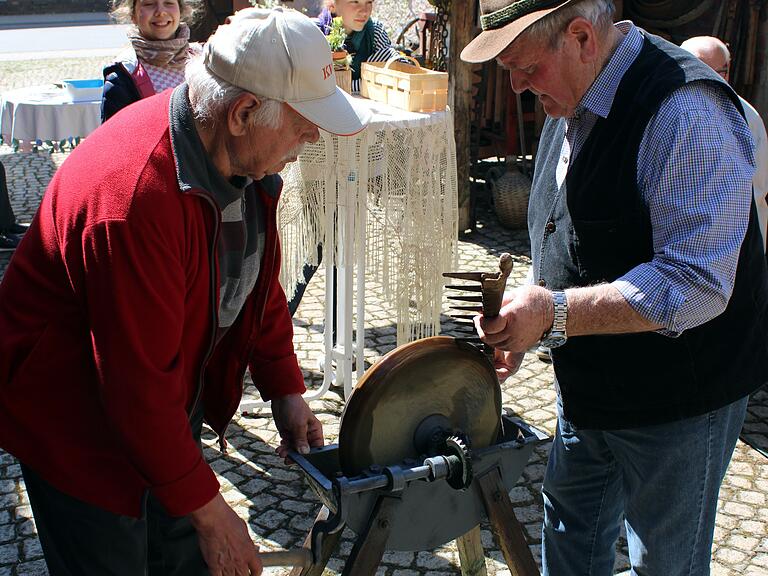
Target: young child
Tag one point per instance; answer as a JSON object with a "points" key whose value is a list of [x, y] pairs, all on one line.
{"points": [[158, 53], [367, 40]]}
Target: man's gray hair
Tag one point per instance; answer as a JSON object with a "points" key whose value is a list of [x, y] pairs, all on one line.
{"points": [[550, 28], [210, 97]]}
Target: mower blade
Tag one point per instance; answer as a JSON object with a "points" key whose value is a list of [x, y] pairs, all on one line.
{"points": [[466, 298], [464, 287]]}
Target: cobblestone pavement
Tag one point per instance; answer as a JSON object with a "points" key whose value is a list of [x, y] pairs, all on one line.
{"points": [[273, 497]]}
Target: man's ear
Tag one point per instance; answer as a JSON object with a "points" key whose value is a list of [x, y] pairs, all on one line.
{"points": [[239, 114], [582, 31]]}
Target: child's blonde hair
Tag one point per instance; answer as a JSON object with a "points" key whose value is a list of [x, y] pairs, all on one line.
{"points": [[123, 10]]}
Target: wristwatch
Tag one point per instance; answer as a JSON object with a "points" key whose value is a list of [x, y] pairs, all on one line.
{"points": [[556, 335]]}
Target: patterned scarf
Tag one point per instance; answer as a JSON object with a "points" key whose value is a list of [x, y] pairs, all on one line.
{"points": [[171, 53]]}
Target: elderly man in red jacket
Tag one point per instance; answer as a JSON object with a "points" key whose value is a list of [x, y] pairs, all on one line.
{"points": [[147, 283]]}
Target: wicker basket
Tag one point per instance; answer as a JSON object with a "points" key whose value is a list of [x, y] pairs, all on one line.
{"points": [[510, 190], [344, 80], [341, 70], [404, 86]]}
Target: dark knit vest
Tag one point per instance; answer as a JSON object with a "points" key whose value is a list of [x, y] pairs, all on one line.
{"points": [[597, 228]]}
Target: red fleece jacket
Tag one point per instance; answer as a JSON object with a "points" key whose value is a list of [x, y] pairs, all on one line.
{"points": [[108, 311]]}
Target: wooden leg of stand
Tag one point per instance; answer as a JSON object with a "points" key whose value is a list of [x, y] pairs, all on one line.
{"points": [[507, 531], [369, 548], [330, 543], [471, 553]]}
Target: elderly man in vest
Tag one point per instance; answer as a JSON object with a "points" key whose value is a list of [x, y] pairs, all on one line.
{"points": [[147, 283], [649, 284]]}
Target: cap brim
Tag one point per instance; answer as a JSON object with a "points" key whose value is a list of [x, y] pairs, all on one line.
{"points": [[490, 43], [339, 113]]}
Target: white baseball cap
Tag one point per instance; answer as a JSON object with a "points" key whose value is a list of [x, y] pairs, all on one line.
{"points": [[281, 54]]}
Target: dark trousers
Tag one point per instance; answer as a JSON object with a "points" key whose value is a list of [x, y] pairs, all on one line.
{"points": [[7, 217], [80, 539]]}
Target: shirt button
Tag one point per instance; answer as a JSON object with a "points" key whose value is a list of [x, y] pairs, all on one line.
{"points": [[565, 159], [550, 227], [542, 282]]}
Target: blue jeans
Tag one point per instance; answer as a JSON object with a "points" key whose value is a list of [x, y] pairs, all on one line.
{"points": [[663, 480]]}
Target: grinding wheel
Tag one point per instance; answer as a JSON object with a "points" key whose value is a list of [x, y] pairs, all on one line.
{"points": [[436, 379]]}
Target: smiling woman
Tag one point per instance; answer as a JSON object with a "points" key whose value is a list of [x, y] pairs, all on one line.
{"points": [[159, 51]]}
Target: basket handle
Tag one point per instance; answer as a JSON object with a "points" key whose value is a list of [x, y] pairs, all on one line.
{"points": [[400, 56]]}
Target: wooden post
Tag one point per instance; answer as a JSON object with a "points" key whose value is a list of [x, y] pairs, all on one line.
{"points": [[370, 545], [471, 553], [507, 531], [462, 27]]}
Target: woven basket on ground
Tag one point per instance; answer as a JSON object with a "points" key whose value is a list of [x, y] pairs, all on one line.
{"points": [[510, 189]]}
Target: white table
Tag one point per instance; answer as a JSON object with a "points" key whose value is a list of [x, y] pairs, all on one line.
{"points": [[46, 113], [384, 204]]}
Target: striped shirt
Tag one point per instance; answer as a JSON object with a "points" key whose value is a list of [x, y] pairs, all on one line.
{"points": [[382, 50], [694, 172]]}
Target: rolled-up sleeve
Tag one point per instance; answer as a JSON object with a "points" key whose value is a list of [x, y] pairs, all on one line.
{"points": [[695, 168]]}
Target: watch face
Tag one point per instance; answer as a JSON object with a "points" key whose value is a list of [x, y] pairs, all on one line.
{"points": [[553, 341]]}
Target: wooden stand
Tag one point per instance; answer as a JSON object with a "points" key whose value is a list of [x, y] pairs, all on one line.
{"points": [[370, 545]]}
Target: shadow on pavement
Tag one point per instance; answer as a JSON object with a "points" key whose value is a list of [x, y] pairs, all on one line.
{"points": [[755, 429]]}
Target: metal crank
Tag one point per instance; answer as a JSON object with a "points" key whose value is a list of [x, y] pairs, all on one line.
{"points": [[485, 296]]}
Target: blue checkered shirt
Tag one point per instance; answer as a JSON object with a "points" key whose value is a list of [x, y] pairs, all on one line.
{"points": [[694, 171]]}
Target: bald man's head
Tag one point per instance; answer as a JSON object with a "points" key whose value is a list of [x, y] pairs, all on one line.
{"points": [[712, 51]]}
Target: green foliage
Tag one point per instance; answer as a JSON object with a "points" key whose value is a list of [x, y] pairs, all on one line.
{"points": [[337, 36]]}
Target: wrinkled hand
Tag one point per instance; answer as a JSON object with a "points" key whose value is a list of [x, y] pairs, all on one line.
{"points": [[299, 428], [506, 363], [522, 321], [224, 540]]}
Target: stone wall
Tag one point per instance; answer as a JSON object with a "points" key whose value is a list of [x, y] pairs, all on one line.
{"points": [[395, 13], [13, 7]]}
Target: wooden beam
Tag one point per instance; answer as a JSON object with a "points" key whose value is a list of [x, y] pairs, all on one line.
{"points": [[507, 531], [462, 26], [471, 553]]}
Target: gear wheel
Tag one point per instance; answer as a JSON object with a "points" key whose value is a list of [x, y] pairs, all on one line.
{"points": [[460, 459]]}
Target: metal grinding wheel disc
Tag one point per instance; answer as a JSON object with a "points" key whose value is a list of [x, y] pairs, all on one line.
{"points": [[434, 376]]}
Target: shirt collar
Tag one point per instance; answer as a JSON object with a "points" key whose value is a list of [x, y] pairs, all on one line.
{"points": [[195, 169], [599, 98]]}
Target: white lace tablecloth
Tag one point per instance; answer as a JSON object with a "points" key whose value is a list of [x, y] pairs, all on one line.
{"points": [[389, 198], [46, 113]]}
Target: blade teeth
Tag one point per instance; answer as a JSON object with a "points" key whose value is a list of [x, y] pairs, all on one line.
{"points": [[470, 317], [474, 276], [468, 308], [466, 298], [468, 340], [464, 287]]}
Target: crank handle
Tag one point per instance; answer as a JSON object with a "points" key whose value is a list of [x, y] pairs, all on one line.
{"points": [[294, 557]]}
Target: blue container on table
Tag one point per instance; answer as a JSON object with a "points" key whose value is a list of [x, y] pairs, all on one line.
{"points": [[84, 90]]}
